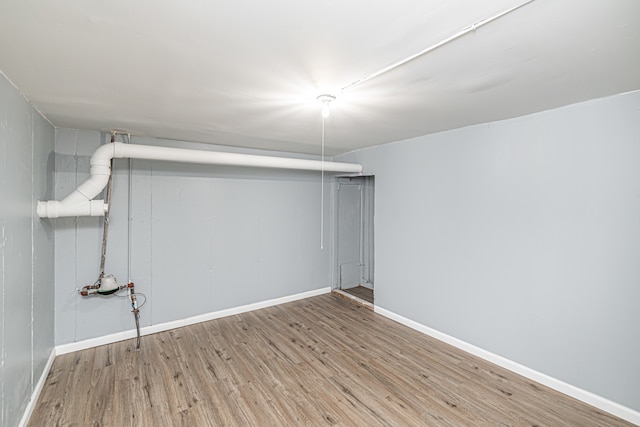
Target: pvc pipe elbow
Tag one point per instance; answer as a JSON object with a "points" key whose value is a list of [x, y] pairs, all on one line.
{"points": [[103, 155]]}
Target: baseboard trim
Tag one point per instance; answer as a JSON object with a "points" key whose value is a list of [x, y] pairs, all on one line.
{"points": [[161, 327], [592, 399], [37, 390]]}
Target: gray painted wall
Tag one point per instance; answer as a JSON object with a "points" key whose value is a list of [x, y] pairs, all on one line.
{"points": [[203, 238], [521, 237], [26, 251]]}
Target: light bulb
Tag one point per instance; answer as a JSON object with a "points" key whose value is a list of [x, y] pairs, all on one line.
{"points": [[326, 104]]}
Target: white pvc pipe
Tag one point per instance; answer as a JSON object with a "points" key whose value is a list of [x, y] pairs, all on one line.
{"points": [[80, 203], [457, 35]]}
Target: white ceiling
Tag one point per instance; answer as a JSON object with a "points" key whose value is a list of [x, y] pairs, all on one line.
{"points": [[247, 72]]}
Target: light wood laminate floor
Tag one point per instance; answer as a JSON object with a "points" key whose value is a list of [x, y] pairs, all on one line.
{"points": [[321, 361]]}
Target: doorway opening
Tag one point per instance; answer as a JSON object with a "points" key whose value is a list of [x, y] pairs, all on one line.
{"points": [[354, 242]]}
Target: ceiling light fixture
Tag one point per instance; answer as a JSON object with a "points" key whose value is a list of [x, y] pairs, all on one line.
{"points": [[326, 99]]}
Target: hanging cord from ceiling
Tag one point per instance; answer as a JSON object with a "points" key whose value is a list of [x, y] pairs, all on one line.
{"points": [[457, 35], [322, 189], [325, 99]]}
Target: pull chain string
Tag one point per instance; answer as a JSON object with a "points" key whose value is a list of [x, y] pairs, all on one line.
{"points": [[322, 191]]}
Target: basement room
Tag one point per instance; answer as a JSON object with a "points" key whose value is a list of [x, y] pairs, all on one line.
{"points": [[299, 213]]}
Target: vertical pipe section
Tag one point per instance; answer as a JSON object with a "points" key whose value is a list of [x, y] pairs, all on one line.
{"points": [[80, 202]]}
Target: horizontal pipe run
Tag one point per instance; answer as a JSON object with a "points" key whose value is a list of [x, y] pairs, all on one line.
{"points": [[218, 158], [80, 202]]}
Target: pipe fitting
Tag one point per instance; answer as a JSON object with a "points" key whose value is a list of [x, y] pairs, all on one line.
{"points": [[56, 209]]}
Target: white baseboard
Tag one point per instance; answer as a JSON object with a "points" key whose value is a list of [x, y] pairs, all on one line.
{"points": [[161, 327], [592, 399], [37, 390]]}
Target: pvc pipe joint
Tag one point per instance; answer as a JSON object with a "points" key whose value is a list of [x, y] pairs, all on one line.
{"points": [[57, 209]]}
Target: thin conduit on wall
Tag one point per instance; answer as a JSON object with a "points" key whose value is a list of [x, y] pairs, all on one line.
{"points": [[80, 202]]}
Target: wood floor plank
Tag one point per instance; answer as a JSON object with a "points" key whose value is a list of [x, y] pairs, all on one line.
{"points": [[323, 361], [361, 292]]}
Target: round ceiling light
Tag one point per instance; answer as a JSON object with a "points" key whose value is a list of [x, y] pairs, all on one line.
{"points": [[326, 99]]}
